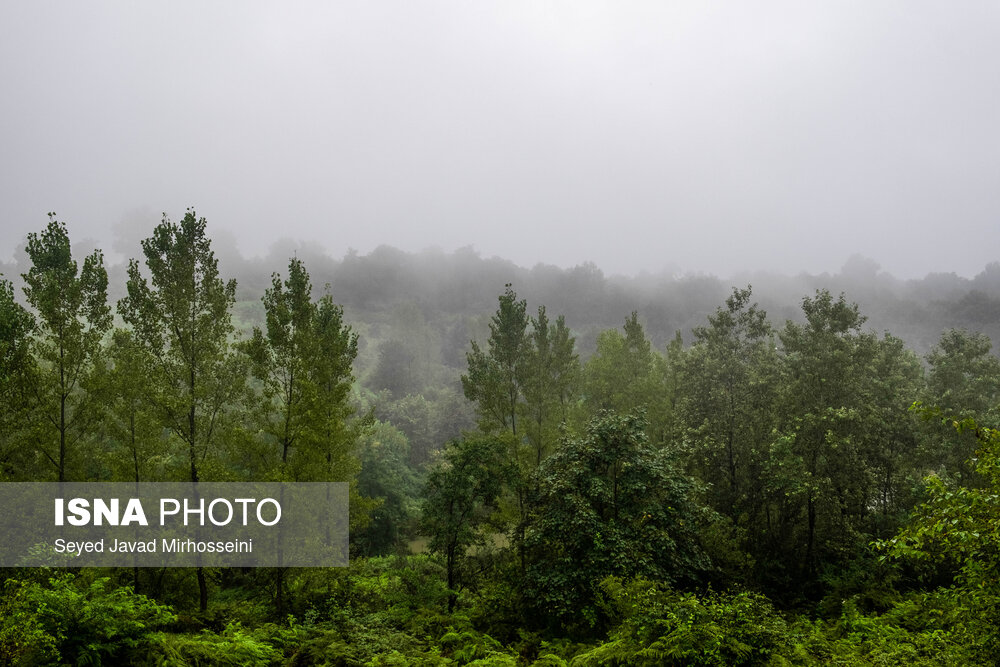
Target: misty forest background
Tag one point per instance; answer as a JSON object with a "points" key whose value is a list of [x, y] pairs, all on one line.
{"points": [[548, 466]]}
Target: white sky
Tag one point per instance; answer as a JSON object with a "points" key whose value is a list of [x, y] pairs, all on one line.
{"points": [[700, 136]]}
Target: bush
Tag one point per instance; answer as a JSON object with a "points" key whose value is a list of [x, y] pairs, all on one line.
{"points": [[659, 626], [72, 622], [233, 647]]}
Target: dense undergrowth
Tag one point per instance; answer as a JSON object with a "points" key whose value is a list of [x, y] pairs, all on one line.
{"points": [[392, 611]]}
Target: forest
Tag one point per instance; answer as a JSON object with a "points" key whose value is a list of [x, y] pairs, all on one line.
{"points": [[649, 470]]}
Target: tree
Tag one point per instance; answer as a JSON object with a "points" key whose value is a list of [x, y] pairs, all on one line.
{"points": [[73, 316], [729, 379], [892, 438], [610, 505], [409, 353], [16, 372], [334, 431], [181, 319], [550, 373], [964, 380], [838, 460], [956, 528], [282, 358], [303, 362], [459, 499], [395, 369], [621, 375], [493, 381], [128, 417], [386, 476], [815, 461]]}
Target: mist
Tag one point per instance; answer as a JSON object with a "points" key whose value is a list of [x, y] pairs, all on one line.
{"points": [[683, 138]]}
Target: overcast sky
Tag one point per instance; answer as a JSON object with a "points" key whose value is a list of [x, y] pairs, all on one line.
{"points": [[694, 136]]}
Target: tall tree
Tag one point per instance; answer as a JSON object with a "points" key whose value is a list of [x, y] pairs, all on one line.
{"points": [[334, 431], [73, 317], [16, 372], [824, 362], [894, 443], [282, 356], [549, 376], [493, 381], [303, 360], [181, 318], [730, 382], [837, 465], [135, 431]]}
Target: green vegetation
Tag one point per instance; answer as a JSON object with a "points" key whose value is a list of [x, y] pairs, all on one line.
{"points": [[525, 489]]}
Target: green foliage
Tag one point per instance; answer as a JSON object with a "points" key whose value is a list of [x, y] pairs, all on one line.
{"points": [[429, 419], [282, 357], [181, 320], [468, 647], [130, 421], [957, 527], [836, 468], [67, 621], [729, 380], [621, 375], [493, 381], [609, 505], [805, 452], [964, 381], [73, 316], [336, 433], [460, 498], [303, 363], [386, 476], [16, 325], [523, 387], [550, 375], [233, 647], [17, 368], [899, 638], [658, 626]]}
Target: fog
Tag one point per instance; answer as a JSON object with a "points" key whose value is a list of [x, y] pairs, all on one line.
{"points": [[682, 136]]}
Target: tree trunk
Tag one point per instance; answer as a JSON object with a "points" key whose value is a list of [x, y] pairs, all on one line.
{"points": [[202, 590]]}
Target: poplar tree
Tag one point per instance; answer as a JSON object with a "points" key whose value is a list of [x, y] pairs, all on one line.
{"points": [[181, 318], [303, 360], [282, 356], [550, 374], [73, 317], [493, 382], [522, 385], [128, 417], [333, 432]]}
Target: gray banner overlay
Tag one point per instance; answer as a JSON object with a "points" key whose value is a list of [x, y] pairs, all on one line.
{"points": [[208, 524]]}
